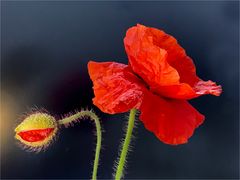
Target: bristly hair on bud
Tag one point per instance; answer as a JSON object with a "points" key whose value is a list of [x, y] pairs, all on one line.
{"points": [[36, 131]]}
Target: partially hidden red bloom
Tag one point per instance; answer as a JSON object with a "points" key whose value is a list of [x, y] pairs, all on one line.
{"points": [[158, 81], [37, 131]]}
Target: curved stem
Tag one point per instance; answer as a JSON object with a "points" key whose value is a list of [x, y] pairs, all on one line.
{"points": [[94, 117], [125, 147], [98, 146]]}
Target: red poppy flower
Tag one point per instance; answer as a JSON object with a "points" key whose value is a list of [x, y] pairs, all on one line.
{"points": [[158, 81]]}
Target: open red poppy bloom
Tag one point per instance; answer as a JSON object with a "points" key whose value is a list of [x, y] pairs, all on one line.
{"points": [[158, 81]]}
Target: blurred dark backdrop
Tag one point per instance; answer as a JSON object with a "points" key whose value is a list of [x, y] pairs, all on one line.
{"points": [[45, 47]]}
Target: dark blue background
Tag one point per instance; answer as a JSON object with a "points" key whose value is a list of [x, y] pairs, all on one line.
{"points": [[45, 47]]}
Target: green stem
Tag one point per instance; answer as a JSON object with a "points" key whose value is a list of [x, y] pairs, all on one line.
{"points": [[125, 147], [94, 117]]}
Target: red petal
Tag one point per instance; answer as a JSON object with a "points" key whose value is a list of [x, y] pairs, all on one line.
{"points": [[185, 91], [164, 65], [115, 87], [148, 60], [177, 56], [172, 121], [207, 87], [36, 134]]}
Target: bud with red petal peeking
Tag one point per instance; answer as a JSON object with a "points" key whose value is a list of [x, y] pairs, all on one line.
{"points": [[37, 131]]}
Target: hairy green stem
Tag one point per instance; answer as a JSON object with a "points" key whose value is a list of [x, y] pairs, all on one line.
{"points": [[94, 117], [125, 147]]}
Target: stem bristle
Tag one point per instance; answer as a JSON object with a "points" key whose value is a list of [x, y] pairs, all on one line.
{"points": [[125, 147]]}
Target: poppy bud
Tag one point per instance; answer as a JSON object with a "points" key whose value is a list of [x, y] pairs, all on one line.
{"points": [[37, 130]]}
